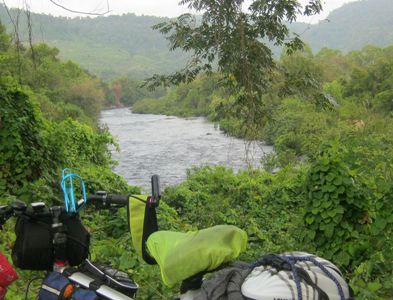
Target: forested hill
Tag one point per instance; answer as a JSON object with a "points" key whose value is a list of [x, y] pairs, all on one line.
{"points": [[107, 46], [353, 26], [126, 45]]}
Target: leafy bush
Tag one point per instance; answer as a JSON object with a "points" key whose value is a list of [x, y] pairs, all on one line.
{"points": [[192, 99], [349, 219], [298, 126], [337, 208], [270, 204], [45, 127], [23, 150]]}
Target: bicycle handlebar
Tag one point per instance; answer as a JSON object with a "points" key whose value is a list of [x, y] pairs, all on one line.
{"points": [[38, 209], [102, 199]]}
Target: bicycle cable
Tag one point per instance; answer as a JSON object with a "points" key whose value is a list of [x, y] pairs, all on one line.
{"points": [[28, 286]]}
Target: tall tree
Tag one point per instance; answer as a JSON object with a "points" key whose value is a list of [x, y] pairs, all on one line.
{"points": [[5, 40], [235, 40]]}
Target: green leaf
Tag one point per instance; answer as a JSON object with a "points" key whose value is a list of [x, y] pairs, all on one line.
{"points": [[338, 181], [341, 189], [343, 258], [379, 225], [337, 218], [330, 177], [309, 219], [329, 230], [331, 188], [373, 286], [311, 234], [127, 261], [315, 176], [325, 215], [332, 213], [325, 168], [339, 209], [317, 195]]}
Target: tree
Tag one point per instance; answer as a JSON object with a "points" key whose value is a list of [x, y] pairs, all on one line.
{"points": [[235, 41], [5, 40], [88, 95], [301, 76], [127, 91], [333, 63]]}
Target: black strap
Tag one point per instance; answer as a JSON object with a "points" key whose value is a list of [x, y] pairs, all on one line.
{"points": [[96, 284], [274, 261], [150, 226], [192, 283], [306, 277], [69, 271]]}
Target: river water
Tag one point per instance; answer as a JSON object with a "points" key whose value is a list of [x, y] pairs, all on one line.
{"points": [[168, 146]]}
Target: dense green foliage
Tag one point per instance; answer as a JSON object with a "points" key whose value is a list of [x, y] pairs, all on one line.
{"points": [[48, 121], [38, 137], [324, 208], [348, 205], [333, 193], [218, 196], [193, 99], [348, 213], [126, 92]]}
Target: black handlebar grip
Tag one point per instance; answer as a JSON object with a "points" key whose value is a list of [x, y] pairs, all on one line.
{"points": [[118, 199], [95, 198], [155, 189]]}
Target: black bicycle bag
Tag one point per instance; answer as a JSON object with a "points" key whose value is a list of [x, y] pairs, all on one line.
{"points": [[33, 248]]}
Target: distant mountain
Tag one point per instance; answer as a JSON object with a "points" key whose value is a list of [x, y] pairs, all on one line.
{"points": [[127, 46], [353, 26], [107, 46]]}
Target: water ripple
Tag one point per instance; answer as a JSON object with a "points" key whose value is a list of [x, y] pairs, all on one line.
{"points": [[168, 146]]}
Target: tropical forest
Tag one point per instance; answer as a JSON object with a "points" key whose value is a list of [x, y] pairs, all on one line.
{"points": [[320, 96]]}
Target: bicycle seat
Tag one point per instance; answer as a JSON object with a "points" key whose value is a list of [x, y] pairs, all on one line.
{"points": [[182, 255]]}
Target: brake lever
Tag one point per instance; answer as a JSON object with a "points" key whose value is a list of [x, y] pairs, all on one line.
{"points": [[4, 210]]}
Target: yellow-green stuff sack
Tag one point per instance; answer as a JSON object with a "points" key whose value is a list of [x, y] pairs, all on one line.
{"points": [[182, 255]]}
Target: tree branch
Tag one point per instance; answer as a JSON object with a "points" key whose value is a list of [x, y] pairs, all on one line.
{"points": [[17, 41], [82, 12]]}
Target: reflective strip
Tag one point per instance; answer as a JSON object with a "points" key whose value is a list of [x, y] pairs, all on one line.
{"points": [[51, 289]]}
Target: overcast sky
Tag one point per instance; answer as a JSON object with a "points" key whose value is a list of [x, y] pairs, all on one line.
{"points": [[168, 8]]}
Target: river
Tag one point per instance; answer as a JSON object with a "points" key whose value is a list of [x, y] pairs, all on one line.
{"points": [[168, 146]]}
